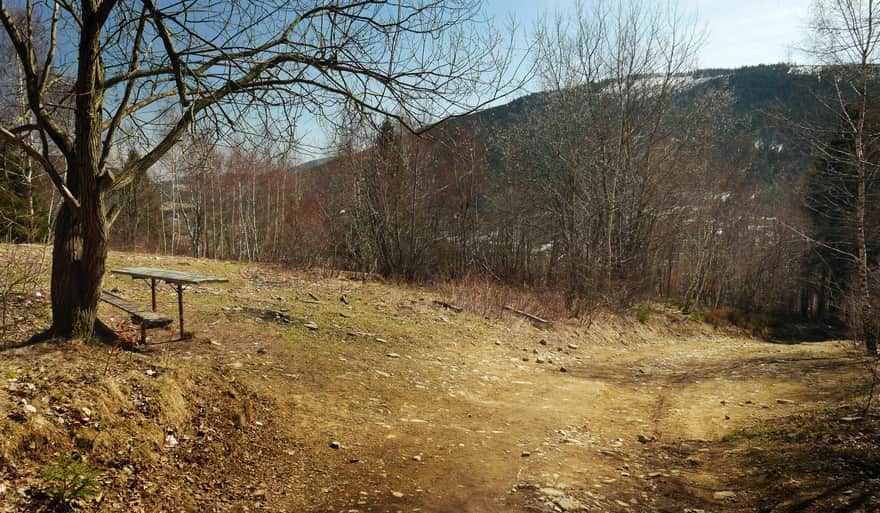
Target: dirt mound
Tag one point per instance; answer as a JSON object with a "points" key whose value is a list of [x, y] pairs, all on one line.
{"points": [[145, 423]]}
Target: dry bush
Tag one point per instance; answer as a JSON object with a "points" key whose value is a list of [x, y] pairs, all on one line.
{"points": [[20, 269], [487, 298]]}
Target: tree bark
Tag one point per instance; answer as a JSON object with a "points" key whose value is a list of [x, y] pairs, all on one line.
{"points": [[78, 264], [869, 334]]}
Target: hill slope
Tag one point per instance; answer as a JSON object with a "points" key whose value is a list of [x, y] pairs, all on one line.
{"points": [[388, 402], [766, 101]]}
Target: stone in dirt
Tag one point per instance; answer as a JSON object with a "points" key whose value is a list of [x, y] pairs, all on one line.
{"points": [[335, 445], [572, 346], [310, 325], [784, 401], [563, 369], [392, 355], [569, 504], [397, 494], [552, 492], [724, 495]]}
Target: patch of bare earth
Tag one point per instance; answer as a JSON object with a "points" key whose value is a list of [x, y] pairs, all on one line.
{"points": [[302, 393]]}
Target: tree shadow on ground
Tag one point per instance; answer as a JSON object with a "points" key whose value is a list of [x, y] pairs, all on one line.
{"points": [[740, 369], [39, 338], [102, 334], [795, 330], [822, 462]]}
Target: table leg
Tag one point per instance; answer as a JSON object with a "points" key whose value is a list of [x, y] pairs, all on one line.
{"points": [[180, 308], [153, 287]]}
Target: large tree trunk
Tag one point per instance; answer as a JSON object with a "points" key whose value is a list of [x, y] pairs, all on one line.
{"points": [[80, 247], [78, 264]]}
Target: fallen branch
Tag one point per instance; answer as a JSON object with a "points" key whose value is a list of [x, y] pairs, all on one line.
{"points": [[534, 318], [449, 306]]}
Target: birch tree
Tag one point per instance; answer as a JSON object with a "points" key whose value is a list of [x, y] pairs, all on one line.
{"points": [[846, 34]]}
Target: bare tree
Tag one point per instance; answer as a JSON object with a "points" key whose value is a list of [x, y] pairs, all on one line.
{"points": [[611, 147], [846, 35], [233, 65]]}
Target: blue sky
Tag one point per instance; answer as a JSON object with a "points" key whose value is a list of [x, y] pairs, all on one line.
{"points": [[740, 32]]}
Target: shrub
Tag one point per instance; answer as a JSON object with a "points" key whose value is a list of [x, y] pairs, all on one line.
{"points": [[68, 481], [644, 313]]}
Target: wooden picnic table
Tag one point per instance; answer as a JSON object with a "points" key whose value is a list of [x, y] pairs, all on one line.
{"points": [[178, 279]]}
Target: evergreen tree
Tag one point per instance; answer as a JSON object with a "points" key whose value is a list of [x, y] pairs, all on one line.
{"points": [[22, 218]]}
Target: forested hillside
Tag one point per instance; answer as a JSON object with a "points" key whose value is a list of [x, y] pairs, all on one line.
{"points": [[766, 105], [709, 216]]}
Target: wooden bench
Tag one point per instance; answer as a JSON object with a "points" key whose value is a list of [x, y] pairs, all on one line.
{"points": [[141, 316]]}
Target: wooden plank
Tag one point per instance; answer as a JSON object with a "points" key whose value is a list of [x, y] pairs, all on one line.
{"points": [[168, 275], [142, 315]]}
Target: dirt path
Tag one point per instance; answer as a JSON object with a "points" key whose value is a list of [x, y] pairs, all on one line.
{"points": [[434, 411], [476, 428]]}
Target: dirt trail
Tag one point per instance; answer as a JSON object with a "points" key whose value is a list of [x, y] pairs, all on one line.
{"points": [[445, 421]]}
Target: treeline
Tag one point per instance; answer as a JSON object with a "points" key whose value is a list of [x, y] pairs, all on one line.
{"points": [[214, 204], [651, 203], [520, 205]]}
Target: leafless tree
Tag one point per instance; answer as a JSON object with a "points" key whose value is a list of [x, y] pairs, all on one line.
{"points": [[234, 65], [611, 148], [845, 37]]}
